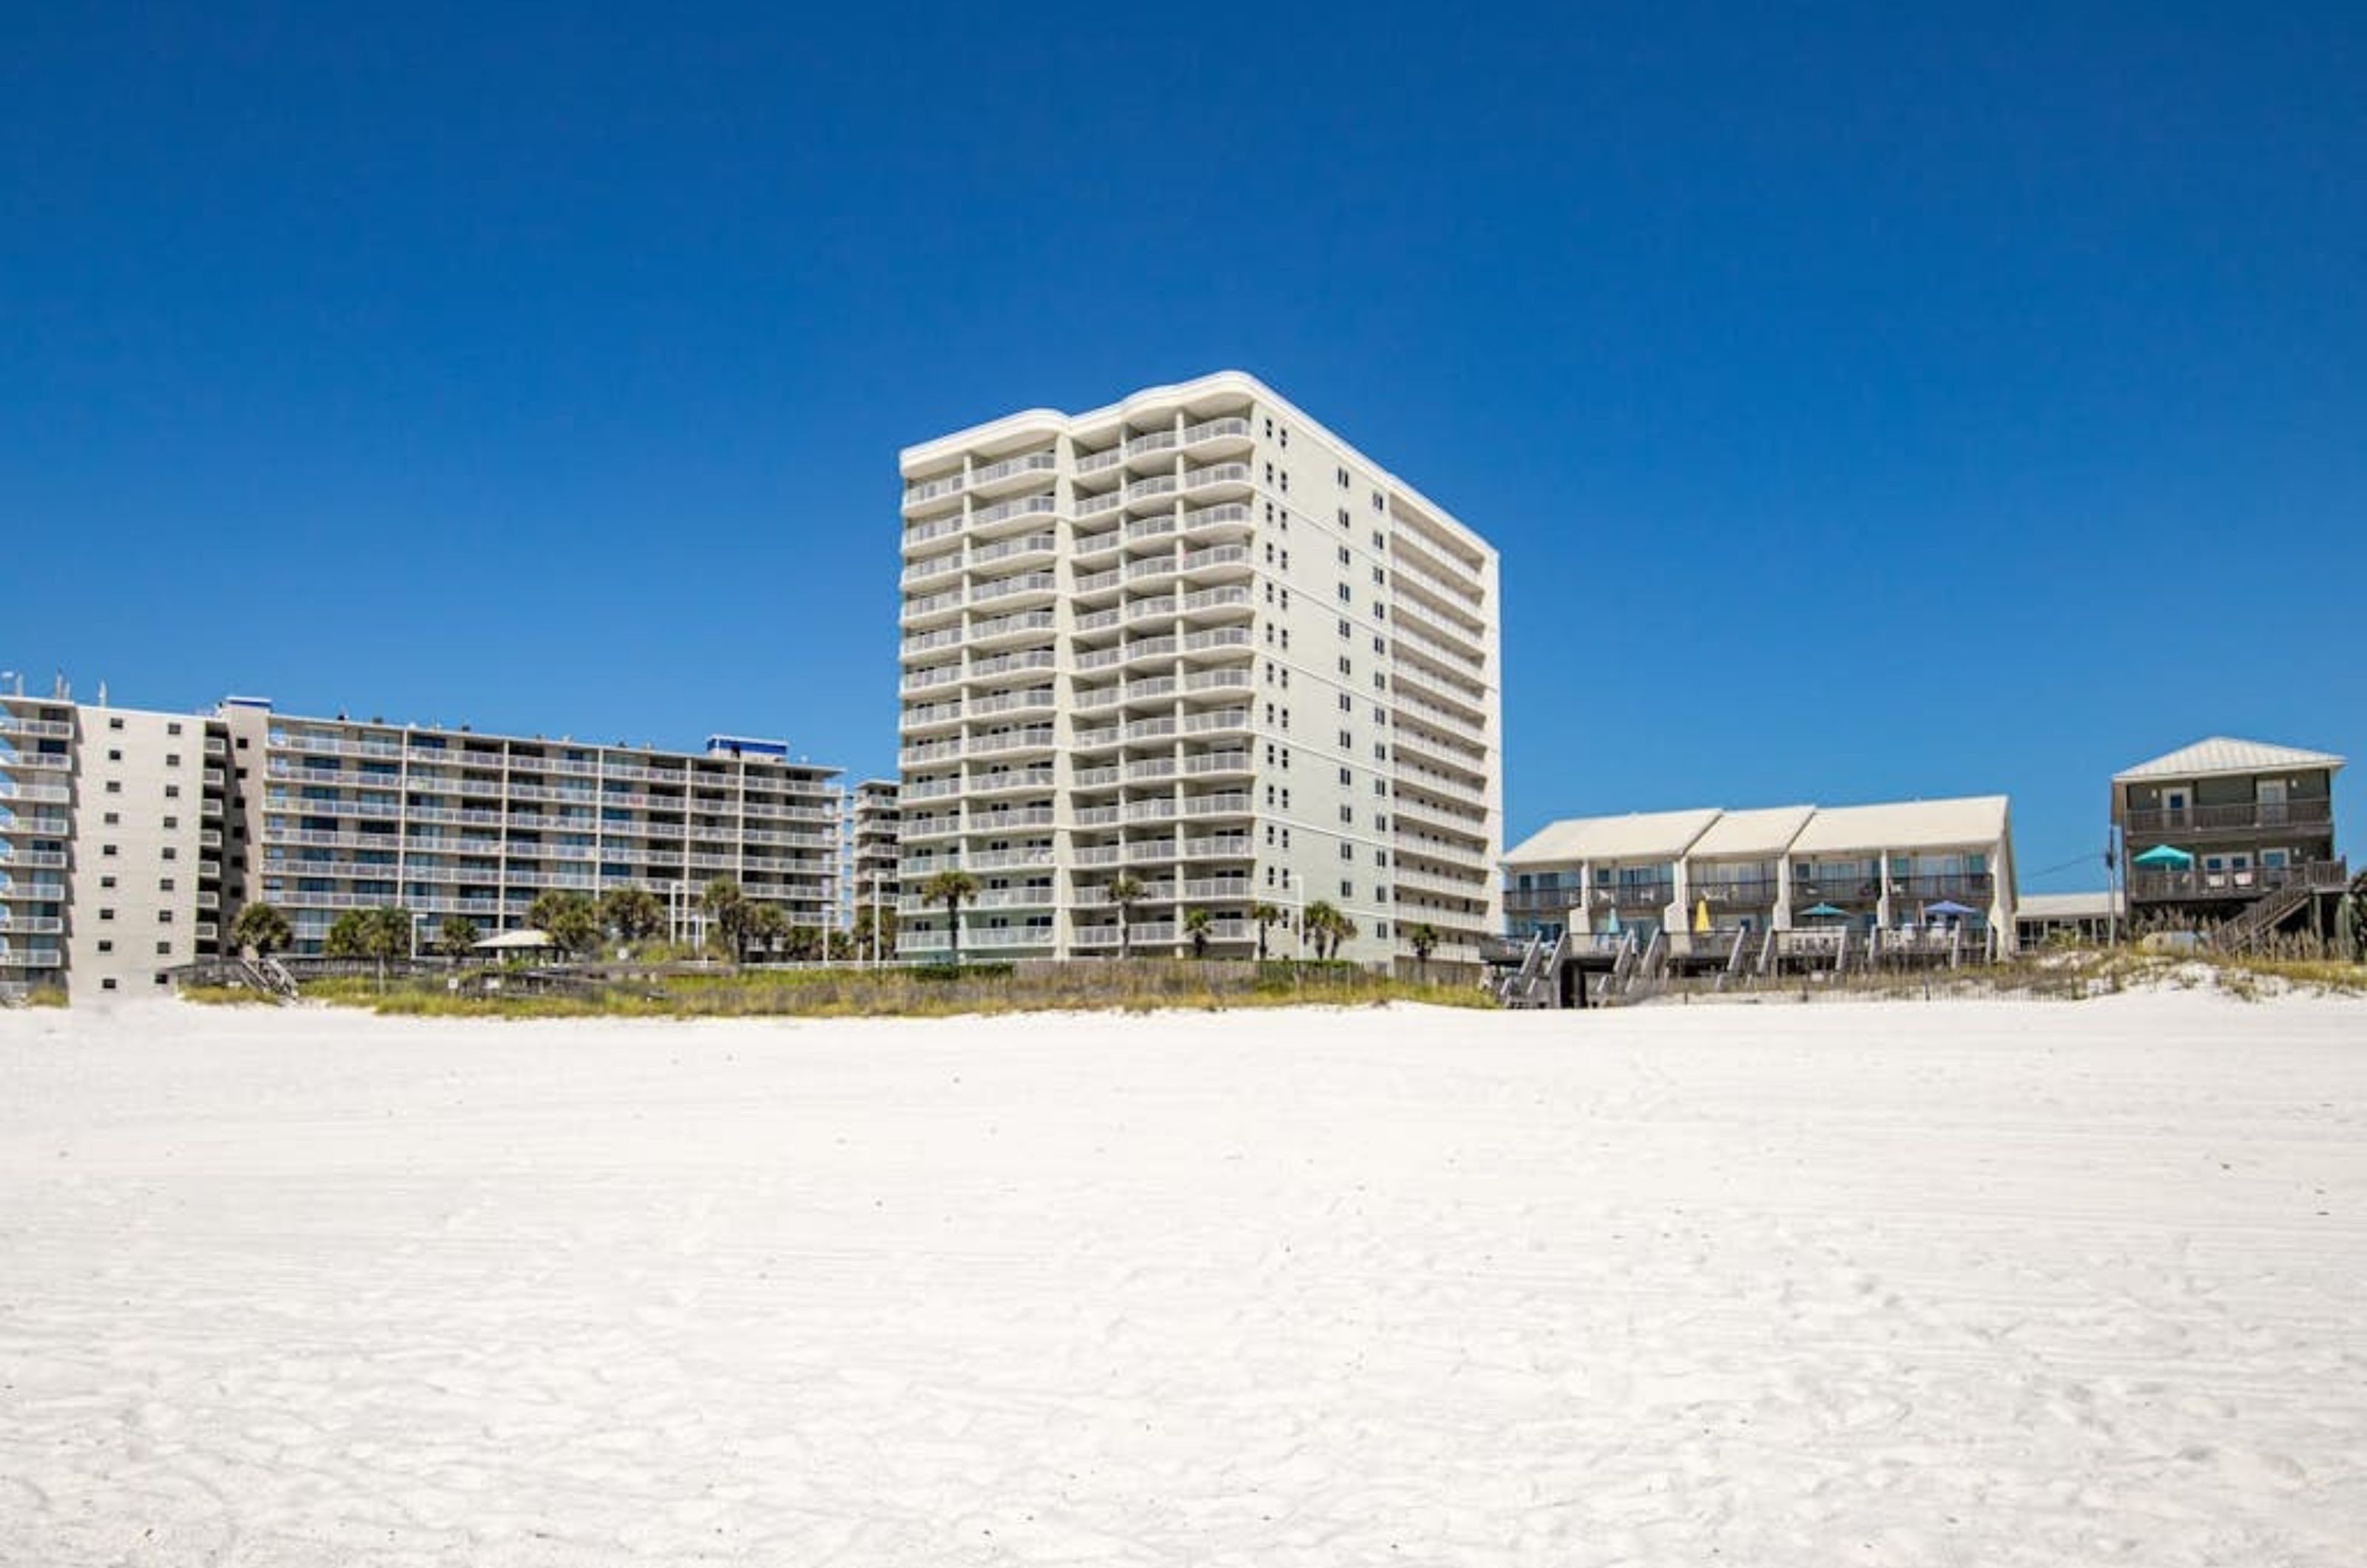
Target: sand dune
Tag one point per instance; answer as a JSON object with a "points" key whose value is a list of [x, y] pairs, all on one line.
{"points": [[1968, 1283]]}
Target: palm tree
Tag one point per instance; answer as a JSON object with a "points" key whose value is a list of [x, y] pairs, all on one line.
{"points": [[1197, 924], [379, 936], [1317, 920], [568, 919], [458, 935], [1125, 890], [727, 909], [262, 928], [766, 928], [633, 913], [1264, 915], [1424, 938], [951, 888]]}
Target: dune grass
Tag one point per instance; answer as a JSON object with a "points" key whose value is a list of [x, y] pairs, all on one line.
{"points": [[910, 993], [224, 995]]}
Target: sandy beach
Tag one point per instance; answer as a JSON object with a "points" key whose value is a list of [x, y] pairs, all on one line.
{"points": [[1953, 1283]]}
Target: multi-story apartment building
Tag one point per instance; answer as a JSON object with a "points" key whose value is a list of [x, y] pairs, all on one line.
{"points": [[115, 856], [872, 853], [2213, 829], [1196, 640], [129, 839], [1782, 868], [360, 815]]}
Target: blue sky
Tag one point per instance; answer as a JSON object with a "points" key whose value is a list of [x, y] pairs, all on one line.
{"points": [[1866, 403]]}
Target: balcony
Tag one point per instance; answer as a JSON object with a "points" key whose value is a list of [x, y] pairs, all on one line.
{"points": [[43, 729], [1964, 887], [1231, 519], [1002, 588], [1215, 476], [31, 958], [53, 762], [1037, 738], [929, 491], [1024, 466], [1009, 701], [996, 519], [1028, 545], [1229, 429], [929, 570], [2232, 883], [937, 528], [2241, 817], [1018, 624]]}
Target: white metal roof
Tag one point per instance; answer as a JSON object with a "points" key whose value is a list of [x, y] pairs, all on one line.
{"points": [[1972, 820], [2223, 754], [2063, 906], [1761, 834], [1640, 836]]}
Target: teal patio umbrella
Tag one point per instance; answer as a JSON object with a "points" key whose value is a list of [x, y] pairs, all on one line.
{"points": [[2165, 857], [1825, 912]]}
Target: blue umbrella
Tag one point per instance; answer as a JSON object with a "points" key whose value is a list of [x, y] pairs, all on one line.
{"points": [[1949, 907], [1825, 912], [2166, 855]]}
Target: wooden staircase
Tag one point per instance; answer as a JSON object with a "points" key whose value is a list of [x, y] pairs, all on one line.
{"points": [[2279, 905]]}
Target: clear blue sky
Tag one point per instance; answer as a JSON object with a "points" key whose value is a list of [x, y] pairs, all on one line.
{"points": [[1865, 405]]}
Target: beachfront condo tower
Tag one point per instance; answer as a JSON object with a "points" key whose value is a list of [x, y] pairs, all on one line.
{"points": [[1197, 646]]}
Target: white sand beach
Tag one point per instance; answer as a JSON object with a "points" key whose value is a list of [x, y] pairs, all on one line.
{"points": [[1957, 1283]]}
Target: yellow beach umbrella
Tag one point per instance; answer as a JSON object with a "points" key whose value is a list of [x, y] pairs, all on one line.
{"points": [[1701, 917]]}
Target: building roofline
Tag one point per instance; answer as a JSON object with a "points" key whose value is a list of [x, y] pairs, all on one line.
{"points": [[1052, 421]]}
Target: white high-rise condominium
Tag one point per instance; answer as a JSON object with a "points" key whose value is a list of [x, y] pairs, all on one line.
{"points": [[1195, 639]]}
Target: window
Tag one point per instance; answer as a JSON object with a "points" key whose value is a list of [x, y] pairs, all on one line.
{"points": [[108, 851], [1344, 556], [105, 913], [115, 786], [173, 727], [1381, 928], [164, 884], [171, 823], [164, 948], [114, 724], [1347, 594], [107, 983], [168, 852], [114, 818], [114, 756], [242, 746], [1342, 476], [1344, 518], [1347, 740], [1347, 851], [1346, 667], [1380, 576], [1347, 888], [106, 882], [172, 758], [164, 916], [1379, 504], [1348, 814], [1381, 787], [1347, 628], [1347, 777], [107, 945], [1347, 703], [1380, 540], [172, 792]]}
